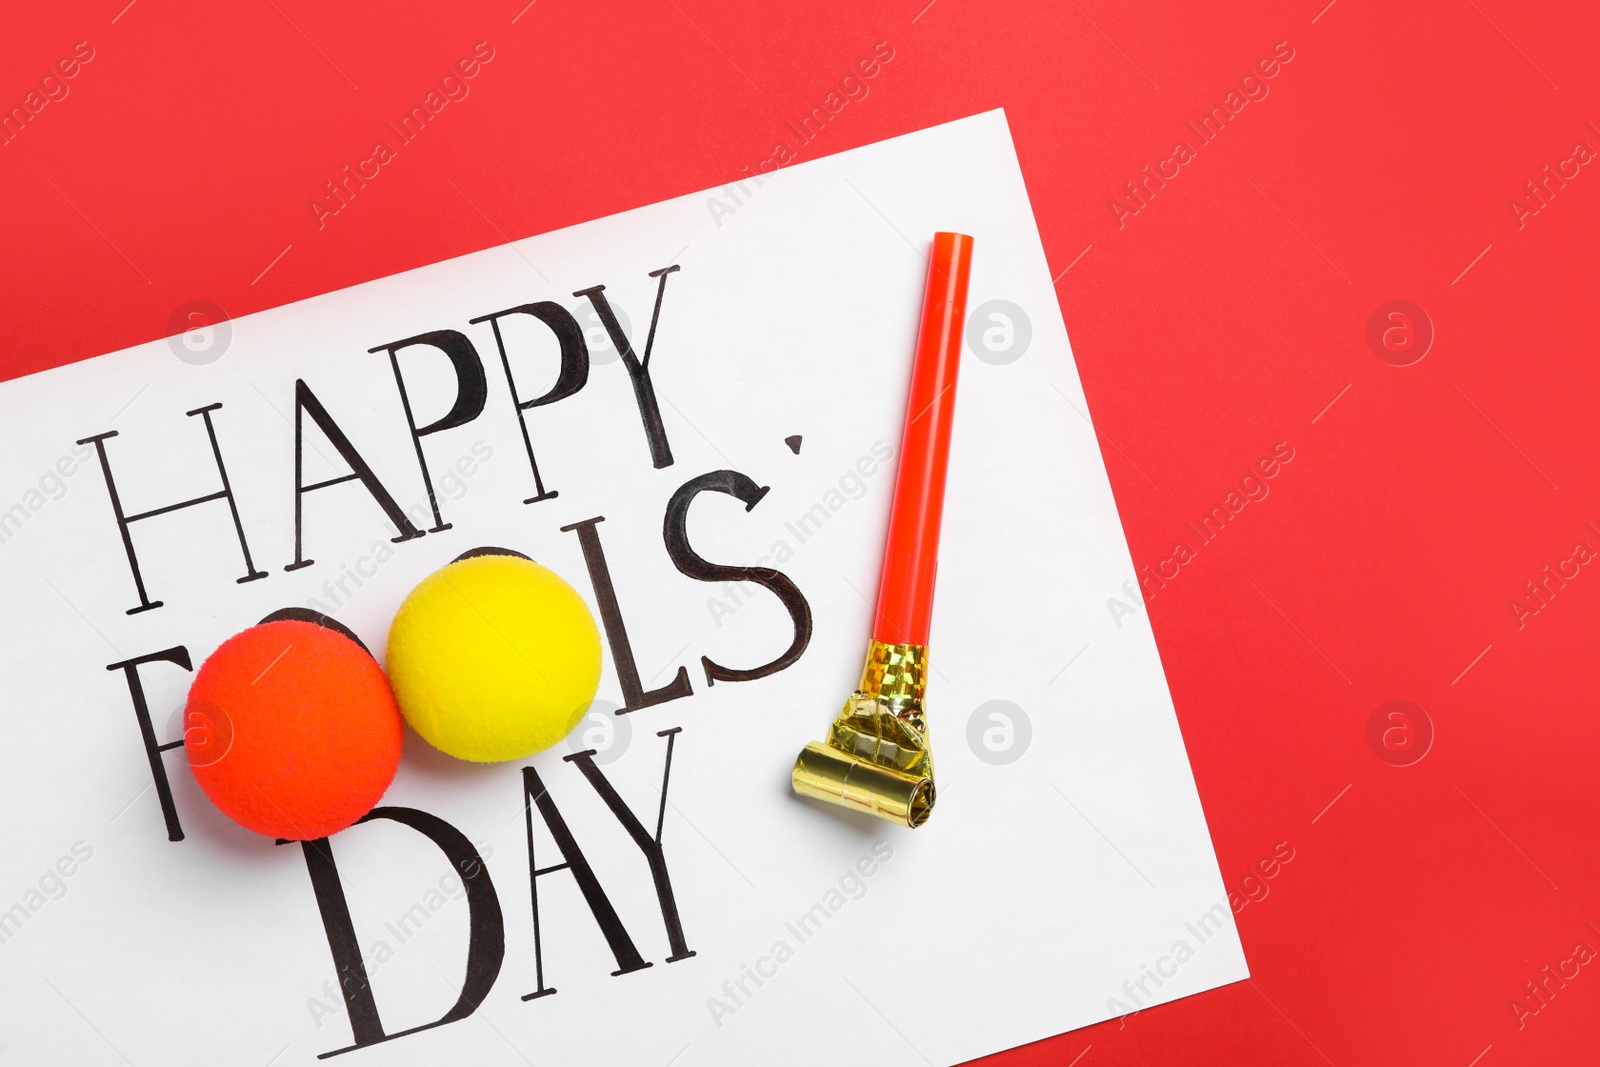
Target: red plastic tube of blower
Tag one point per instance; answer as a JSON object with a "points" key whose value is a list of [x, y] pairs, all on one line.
{"points": [[911, 555]]}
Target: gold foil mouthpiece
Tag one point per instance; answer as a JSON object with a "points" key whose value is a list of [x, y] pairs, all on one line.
{"points": [[877, 759]]}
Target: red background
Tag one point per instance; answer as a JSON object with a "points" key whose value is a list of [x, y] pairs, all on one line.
{"points": [[1222, 318]]}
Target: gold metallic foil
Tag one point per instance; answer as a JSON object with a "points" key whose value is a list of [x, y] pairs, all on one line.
{"points": [[877, 758]]}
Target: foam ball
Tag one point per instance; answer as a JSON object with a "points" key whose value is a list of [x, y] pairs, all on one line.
{"points": [[291, 729], [494, 658]]}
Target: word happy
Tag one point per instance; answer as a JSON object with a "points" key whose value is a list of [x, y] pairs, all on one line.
{"points": [[451, 349]]}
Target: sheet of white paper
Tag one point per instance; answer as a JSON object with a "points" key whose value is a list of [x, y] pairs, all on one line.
{"points": [[1066, 876]]}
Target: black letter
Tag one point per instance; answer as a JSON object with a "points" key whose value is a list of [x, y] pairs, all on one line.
{"points": [[306, 401], [486, 947], [471, 391], [572, 376], [616, 935], [610, 923], [153, 748], [675, 531], [123, 521], [650, 846], [633, 695], [639, 370]]}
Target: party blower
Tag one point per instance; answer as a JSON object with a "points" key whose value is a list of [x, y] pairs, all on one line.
{"points": [[877, 758]]}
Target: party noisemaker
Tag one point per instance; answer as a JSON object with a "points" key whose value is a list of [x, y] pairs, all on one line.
{"points": [[876, 759]]}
